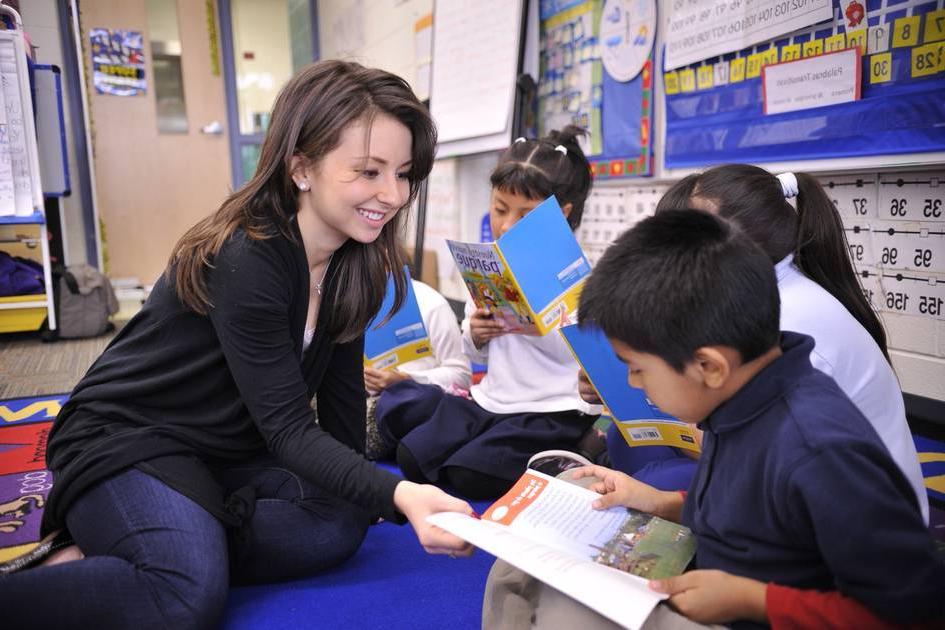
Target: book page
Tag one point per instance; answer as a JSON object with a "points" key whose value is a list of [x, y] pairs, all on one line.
{"points": [[491, 285], [559, 514], [621, 597]]}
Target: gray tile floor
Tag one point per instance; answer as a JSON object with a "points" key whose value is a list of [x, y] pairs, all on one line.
{"points": [[30, 367]]}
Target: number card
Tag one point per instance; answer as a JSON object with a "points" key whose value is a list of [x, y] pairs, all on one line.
{"points": [[912, 196], [835, 43], [720, 73], [687, 80], [860, 242], [791, 52], [769, 56], [912, 293], [813, 47], [737, 70], [934, 26], [926, 60], [857, 39], [704, 77], [878, 39], [909, 246], [872, 290], [855, 197], [671, 80], [881, 68], [906, 31], [753, 67]]}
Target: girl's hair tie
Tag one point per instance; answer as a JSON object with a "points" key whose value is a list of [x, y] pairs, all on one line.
{"points": [[563, 149], [520, 139], [788, 184]]}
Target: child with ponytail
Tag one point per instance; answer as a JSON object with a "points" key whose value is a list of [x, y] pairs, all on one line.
{"points": [[528, 400]]}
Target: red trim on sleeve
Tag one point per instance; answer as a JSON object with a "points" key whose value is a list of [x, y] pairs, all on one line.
{"points": [[795, 609]]}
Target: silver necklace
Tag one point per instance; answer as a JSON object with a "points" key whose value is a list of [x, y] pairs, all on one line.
{"points": [[321, 283]]}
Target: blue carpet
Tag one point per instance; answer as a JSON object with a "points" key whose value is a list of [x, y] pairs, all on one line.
{"points": [[390, 583]]}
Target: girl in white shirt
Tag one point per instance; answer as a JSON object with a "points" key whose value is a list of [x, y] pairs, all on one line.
{"points": [[447, 367], [528, 400], [820, 296]]}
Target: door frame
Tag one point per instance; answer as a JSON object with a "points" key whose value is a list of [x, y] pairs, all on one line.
{"points": [[237, 139]]}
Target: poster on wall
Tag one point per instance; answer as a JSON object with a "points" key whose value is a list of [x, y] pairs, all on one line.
{"points": [[699, 29], [577, 85], [118, 62]]}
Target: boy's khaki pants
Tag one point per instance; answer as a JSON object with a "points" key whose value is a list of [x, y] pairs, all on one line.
{"points": [[515, 600]]}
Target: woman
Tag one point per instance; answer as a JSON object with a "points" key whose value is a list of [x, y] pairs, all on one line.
{"points": [[189, 455]]}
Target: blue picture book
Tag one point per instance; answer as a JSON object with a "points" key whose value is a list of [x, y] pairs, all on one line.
{"points": [[531, 278], [402, 338], [640, 421]]}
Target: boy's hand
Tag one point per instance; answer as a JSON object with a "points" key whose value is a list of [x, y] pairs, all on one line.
{"points": [[483, 327], [621, 489], [586, 390], [416, 502], [376, 381], [715, 596]]}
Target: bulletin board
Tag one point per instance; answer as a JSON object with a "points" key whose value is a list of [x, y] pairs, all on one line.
{"points": [[574, 88], [714, 108]]}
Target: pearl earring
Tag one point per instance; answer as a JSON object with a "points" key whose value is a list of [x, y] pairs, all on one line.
{"points": [[303, 186]]}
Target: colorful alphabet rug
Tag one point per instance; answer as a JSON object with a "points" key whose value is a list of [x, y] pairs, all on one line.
{"points": [[24, 481]]}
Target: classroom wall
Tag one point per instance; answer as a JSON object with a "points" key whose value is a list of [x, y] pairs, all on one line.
{"points": [[41, 22], [377, 33]]}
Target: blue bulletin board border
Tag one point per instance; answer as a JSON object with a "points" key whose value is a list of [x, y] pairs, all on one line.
{"points": [[900, 112]]}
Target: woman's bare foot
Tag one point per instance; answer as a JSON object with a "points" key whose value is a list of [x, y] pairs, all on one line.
{"points": [[66, 554]]}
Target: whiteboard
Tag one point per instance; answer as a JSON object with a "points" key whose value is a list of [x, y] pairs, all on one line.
{"points": [[475, 66]]}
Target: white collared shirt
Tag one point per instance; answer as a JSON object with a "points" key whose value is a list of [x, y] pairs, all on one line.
{"points": [[845, 351], [527, 374], [449, 366]]}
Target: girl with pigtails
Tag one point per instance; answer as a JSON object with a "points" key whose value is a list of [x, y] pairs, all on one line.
{"points": [[528, 400]]}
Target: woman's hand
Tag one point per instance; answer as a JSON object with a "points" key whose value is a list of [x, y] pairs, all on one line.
{"points": [[483, 327], [621, 489], [376, 381], [715, 596], [416, 502], [586, 390]]}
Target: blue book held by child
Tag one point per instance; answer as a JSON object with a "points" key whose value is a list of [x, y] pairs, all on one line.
{"points": [[640, 421], [531, 277], [402, 338]]}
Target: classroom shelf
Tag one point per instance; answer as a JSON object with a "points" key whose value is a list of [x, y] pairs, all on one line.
{"points": [[23, 234]]}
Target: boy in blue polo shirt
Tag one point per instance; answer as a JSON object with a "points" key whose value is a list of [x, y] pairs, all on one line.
{"points": [[801, 516]]}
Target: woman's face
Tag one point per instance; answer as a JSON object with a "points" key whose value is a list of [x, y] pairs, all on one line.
{"points": [[359, 186]]}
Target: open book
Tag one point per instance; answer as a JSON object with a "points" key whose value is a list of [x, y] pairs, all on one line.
{"points": [[402, 338], [640, 421], [532, 276], [546, 527]]}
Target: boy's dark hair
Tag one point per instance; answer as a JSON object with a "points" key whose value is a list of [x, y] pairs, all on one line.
{"points": [[536, 169], [754, 199], [681, 280]]}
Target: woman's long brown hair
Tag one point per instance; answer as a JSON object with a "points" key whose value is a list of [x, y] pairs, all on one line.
{"points": [[309, 116]]}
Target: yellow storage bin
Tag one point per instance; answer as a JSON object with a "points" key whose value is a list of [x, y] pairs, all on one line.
{"points": [[20, 313]]}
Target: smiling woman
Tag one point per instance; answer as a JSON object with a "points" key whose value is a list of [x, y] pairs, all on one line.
{"points": [[189, 456]]}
